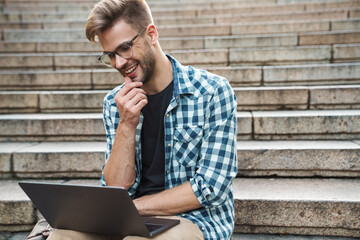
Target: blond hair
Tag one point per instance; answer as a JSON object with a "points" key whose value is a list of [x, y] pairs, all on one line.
{"points": [[107, 12]]}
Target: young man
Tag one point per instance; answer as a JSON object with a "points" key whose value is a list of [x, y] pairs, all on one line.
{"points": [[170, 129]]}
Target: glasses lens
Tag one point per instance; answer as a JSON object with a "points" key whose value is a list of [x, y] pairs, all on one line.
{"points": [[125, 51], [105, 59]]}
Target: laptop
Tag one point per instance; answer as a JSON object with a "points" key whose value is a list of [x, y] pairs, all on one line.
{"points": [[92, 209]]}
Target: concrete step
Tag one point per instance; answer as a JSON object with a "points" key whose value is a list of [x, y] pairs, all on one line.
{"points": [[58, 30], [156, 4], [329, 37], [60, 79], [280, 55], [298, 158], [9, 2], [317, 97], [199, 29], [256, 56], [310, 125], [318, 74], [252, 49], [52, 101], [258, 125], [346, 52], [315, 14], [249, 98], [345, 24], [83, 12], [255, 159], [70, 30], [52, 127], [294, 26], [170, 3], [175, 17], [198, 57], [167, 43], [46, 12], [52, 159], [317, 4], [46, 7], [205, 9], [298, 206], [60, 5], [311, 206], [50, 46], [28, 45], [241, 236], [249, 53], [332, 37], [312, 74], [355, 13]]}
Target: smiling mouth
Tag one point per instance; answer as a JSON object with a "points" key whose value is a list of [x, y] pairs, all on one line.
{"points": [[130, 70]]}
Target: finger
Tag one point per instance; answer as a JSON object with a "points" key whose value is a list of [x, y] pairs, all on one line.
{"points": [[123, 99], [127, 80], [128, 100], [140, 105], [135, 100], [133, 92], [130, 82], [128, 87]]}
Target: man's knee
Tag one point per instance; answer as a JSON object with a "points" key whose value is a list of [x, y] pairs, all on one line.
{"points": [[185, 230], [59, 234]]}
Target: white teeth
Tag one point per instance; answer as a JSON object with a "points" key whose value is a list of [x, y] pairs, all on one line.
{"points": [[131, 69]]}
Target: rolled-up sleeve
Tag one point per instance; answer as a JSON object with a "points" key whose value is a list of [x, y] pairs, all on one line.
{"points": [[110, 135], [217, 164]]}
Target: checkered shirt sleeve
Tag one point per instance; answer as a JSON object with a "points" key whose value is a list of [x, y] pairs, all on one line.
{"points": [[218, 163]]}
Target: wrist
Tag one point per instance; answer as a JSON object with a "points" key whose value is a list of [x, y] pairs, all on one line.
{"points": [[139, 206], [126, 129]]}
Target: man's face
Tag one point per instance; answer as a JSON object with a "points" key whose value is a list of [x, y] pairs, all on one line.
{"points": [[140, 67]]}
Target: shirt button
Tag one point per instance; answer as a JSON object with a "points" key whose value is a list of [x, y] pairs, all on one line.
{"points": [[203, 228], [167, 171], [167, 115], [169, 145]]}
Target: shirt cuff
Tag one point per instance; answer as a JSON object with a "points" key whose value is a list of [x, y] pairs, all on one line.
{"points": [[202, 192]]}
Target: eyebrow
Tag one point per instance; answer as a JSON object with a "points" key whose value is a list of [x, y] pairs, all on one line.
{"points": [[120, 45]]}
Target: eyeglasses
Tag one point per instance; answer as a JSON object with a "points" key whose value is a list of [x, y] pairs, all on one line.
{"points": [[124, 51]]}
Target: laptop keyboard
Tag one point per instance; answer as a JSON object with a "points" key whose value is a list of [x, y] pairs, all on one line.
{"points": [[153, 227]]}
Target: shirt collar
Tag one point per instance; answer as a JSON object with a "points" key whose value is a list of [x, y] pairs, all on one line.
{"points": [[181, 76]]}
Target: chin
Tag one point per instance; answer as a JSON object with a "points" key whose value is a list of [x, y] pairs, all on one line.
{"points": [[138, 79]]}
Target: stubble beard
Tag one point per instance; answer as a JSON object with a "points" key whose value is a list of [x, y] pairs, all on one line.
{"points": [[147, 65]]}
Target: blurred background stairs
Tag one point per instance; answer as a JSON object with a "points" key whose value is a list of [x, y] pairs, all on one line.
{"points": [[295, 68]]}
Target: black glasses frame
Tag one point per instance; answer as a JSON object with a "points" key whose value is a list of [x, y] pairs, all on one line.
{"points": [[129, 43]]}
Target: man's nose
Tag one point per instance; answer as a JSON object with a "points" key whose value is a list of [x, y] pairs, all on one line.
{"points": [[119, 62]]}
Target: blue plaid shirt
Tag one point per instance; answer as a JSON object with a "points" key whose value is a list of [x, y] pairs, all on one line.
{"points": [[200, 145]]}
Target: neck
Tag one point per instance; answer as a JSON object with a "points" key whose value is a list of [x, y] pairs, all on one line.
{"points": [[163, 75]]}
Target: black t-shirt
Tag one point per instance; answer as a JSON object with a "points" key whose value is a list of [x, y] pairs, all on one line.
{"points": [[152, 143]]}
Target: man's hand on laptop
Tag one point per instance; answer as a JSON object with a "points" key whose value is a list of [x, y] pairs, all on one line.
{"points": [[169, 202]]}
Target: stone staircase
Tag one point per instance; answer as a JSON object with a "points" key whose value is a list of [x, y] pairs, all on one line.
{"points": [[295, 68]]}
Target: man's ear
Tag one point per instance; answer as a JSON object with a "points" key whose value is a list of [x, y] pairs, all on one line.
{"points": [[152, 34]]}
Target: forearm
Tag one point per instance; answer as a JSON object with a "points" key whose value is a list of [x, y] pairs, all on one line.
{"points": [[169, 202], [119, 169]]}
